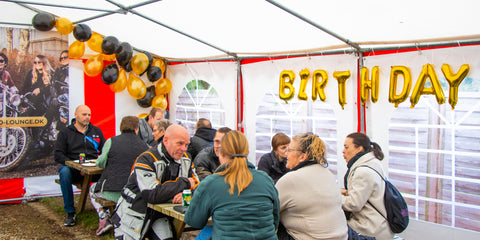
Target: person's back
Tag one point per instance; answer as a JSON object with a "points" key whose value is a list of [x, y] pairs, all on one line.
{"points": [[243, 202]]}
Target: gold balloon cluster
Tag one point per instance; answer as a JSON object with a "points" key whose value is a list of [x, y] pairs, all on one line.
{"points": [[117, 76]]}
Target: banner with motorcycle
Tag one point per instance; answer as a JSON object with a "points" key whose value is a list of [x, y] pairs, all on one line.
{"points": [[34, 100]]}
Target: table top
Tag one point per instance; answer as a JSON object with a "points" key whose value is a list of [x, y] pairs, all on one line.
{"points": [[167, 209], [91, 170]]}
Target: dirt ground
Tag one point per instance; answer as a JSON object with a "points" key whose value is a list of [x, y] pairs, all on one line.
{"points": [[36, 221]]}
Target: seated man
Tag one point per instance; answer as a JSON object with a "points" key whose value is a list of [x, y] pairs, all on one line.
{"points": [[146, 125], [202, 139], [79, 137], [159, 175], [207, 160], [117, 158]]}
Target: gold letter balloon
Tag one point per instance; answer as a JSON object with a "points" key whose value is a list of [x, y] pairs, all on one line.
{"points": [[393, 97], [420, 89], [286, 74], [341, 78], [454, 81]]}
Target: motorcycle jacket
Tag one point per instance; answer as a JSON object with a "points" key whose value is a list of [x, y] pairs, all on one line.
{"points": [[155, 178], [70, 143]]}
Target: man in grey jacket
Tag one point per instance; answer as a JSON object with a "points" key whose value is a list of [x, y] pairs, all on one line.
{"points": [[146, 125]]}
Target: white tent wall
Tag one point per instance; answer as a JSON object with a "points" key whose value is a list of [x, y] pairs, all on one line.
{"points": [[262, 76], [221, 75]]}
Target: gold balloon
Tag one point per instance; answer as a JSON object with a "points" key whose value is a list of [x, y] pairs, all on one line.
{"points": [[94, 65], [159, 63], [76, 49], [393, 97], [64, 26], [286, 74], [369, 84], [318, 88], [121, 82], [303, 84], [95, 42], [159, 101], [136, 87], [163, 86], [420, 89], [341, 79], [142, 115], [454, 81], [110, 57], [139, 63]]}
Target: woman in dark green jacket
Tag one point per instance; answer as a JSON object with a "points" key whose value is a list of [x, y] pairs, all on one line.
{"points": [[243, 202]]}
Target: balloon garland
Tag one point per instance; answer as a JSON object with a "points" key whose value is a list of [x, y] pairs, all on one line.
{"points": [[109, 48]]}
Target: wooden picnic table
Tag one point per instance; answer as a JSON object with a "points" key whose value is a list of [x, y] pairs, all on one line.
{"points": [[88, 173]]}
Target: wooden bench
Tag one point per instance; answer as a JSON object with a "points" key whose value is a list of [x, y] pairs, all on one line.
{"points": [[106, 203], [77, 184]]}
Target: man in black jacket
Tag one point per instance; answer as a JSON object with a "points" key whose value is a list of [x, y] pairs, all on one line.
{"points": [[207, 160], [79, 137], [203, 137]]}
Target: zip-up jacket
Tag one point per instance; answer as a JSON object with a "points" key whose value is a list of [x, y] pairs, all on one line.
{"points": [[203, 138], [155, 178], [70, 143]]}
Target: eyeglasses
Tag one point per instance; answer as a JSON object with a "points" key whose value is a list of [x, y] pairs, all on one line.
{"points": [[293, 150], [2, 61], [37, 62], [63, 58]]}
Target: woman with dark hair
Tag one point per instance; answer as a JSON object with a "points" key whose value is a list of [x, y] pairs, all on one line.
{"points": [[364, 187], [242, 201], [310, 203], [274, 163], [4, 75]]}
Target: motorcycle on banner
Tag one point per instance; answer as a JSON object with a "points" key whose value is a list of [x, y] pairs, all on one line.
{"points": [[30, 126]]}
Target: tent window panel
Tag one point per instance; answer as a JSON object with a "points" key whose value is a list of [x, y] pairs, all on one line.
{"points": [[199, 99], [434, 159], [467, 218], [467, 192], [435, 212], [292, 118], [435, 188]]}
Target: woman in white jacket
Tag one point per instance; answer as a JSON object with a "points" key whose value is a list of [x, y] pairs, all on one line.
{"points": [[364, 187]]}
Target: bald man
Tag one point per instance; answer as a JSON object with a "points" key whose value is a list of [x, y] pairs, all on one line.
{"points": [[79, 137], [159, 175]]}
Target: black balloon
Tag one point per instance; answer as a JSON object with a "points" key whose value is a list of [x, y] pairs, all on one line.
{"points": [[110, 73], [43, 21], [124, 54], [146, 101], [154, 73], [82, 32], [109, 45], [128, 67], [150, 61]]}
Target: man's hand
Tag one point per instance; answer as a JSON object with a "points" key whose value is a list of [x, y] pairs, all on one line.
{"points": [[192, 183], [177, 198]]}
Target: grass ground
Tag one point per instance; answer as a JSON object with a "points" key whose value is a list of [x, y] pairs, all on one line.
{"points": [[88, 219]]}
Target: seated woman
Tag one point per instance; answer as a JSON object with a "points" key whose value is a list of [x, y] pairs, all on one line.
{"points": [[117, 158], [364, 187], [273, 163], [310, 201], [242, 201]]}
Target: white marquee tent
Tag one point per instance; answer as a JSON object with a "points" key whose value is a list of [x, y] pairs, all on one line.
{"points": [[200, 31]]}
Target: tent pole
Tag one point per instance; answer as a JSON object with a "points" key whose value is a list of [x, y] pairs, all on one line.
{"points": [[360, 108], [22, 3], [239, 96], [350, 43]]}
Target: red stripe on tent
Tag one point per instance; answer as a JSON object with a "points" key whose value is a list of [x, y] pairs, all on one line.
{"points": [[101, 101], [11, 189]]}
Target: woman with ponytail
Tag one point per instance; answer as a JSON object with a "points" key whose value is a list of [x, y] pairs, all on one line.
{"points": [[364, 188], [242, 201]]}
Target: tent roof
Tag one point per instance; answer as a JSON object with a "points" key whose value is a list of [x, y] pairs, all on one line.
{"points": [[204, 28]]}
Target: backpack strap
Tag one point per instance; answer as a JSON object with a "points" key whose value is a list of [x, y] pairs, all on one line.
{"points": [[383, 180]]}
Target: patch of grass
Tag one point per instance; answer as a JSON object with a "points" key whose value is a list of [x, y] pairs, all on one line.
{"points": [[87, 219]]}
